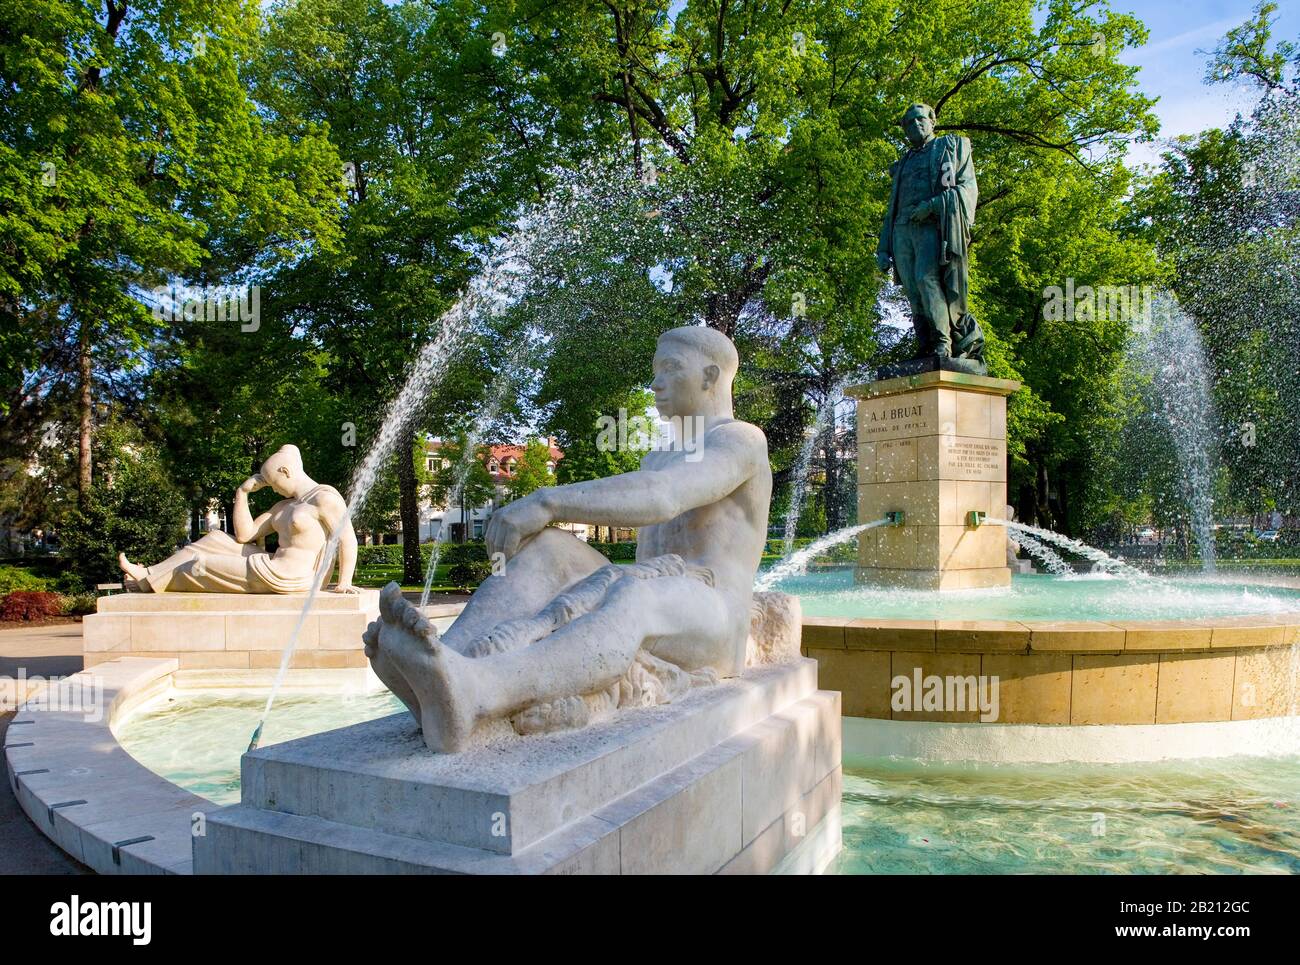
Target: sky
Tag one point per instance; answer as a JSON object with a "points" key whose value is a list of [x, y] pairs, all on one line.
{"points": [[1183, 32]]}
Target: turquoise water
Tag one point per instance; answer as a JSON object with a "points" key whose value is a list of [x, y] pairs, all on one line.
{"points": [[1041, 597], [196, 739], [1228, 816], [1221, 816]]}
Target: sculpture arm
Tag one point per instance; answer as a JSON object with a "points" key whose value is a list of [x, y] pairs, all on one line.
{"points": [[248, 529], [334, 518], [729, 456], [347, 557]]}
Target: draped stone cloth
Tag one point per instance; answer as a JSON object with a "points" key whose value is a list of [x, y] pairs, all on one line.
{"points": [[216, 563]]}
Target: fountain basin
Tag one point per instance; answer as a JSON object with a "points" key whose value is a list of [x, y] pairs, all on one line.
{"points": [[1071, 690], [1069, 685]]}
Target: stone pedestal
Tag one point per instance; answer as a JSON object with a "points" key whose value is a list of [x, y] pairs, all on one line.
{"points": [[933, 445], [732, 778], [230, 630]]}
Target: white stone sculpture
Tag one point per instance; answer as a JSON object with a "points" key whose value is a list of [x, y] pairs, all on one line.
{"points": [[561, 638], [303, 521]]}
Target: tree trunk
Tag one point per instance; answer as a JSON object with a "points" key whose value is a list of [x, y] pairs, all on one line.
{"points": [[1042, 509], [85, 408], [407, 487]]}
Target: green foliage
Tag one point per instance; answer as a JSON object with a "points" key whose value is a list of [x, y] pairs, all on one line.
{"points": [[133, 508], [1221, 211], [21, 578], [465, 480], [470, 573], [532, 470], [616, 552]]}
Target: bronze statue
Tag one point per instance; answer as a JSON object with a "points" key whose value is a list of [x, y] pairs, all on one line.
{"points": [[926, 238]]}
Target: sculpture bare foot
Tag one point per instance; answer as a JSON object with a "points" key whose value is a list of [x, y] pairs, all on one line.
{"points": [[134, 570], [438, 677]]}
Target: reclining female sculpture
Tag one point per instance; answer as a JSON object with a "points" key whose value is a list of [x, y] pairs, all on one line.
{"points": [[303, 521], [560, 636]]}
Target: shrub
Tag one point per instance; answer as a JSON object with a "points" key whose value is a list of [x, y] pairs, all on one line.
{"points": [[386, 555], [77, 604], [455, 553], [616, 552], [30, 605], [470, 573], [132, 507], [21, 578], [70, 584]]}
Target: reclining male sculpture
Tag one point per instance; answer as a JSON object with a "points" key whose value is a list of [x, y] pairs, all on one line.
{"points": [[303, 522], [561, 637]]}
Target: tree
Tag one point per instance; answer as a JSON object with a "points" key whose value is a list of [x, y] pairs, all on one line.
{"points": [[128, 145], [439, 154], [532, 471], [1223, 210], [132, 507], [463, 482], [760, 135]]}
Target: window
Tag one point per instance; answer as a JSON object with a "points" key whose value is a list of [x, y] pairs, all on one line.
{"points": [[494, 466]]}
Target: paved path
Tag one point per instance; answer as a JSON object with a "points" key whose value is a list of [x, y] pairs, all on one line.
{"points": [[45, 652]]}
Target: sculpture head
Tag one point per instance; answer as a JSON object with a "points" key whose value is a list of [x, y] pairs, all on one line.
{"points": [[918, 124], [283, 470], [694, 367]]}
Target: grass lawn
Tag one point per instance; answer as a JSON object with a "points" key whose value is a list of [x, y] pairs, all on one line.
{"points": [[381, 576]]}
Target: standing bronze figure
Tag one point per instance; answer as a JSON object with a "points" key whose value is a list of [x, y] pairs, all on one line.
{"points": [[926, 239]]}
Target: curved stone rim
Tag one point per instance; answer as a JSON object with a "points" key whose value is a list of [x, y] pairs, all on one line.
{"points": [[81, 788], [84, 790], [1053, 636]]}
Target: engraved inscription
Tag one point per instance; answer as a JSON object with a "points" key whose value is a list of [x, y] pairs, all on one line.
{"points": [[884, 419], [972, 459]]}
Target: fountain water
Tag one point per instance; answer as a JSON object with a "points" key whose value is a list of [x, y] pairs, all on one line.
{"points": [[487, 415], [486, 293], [1167, 349], [825, 419], [1044, 555], [799, 561], [1106, 563]]}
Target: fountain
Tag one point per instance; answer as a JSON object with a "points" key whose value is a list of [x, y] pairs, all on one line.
{"points": [[1166, 351], [1103, 683]]}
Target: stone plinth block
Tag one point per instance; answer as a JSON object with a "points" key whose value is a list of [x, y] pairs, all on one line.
{"points": [[231, 630], [729, 776], [933, 446]]}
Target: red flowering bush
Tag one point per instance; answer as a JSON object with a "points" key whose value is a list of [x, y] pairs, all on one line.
{"points": [[30, 605]]}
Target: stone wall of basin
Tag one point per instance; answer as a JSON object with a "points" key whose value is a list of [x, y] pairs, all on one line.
{"points": [[1126, 672]]}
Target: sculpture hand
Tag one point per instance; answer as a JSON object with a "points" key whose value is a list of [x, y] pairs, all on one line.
{"points": [[252, 484], [882, 261], [921, 213], [515, 522], [347, 588]]}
